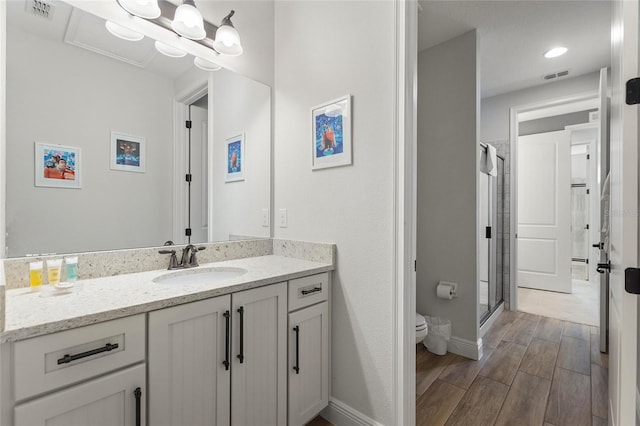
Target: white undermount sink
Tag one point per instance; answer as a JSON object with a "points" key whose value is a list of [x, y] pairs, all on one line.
{"points": [[209, 275]]}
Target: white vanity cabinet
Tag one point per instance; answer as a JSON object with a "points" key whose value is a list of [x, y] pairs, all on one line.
{"points": [[220, 361], [308, 348], [89, 375]]}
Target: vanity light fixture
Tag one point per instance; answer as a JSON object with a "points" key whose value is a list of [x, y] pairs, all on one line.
{"points": [[122, 32], [227, 38], [555, 52], [188, 21], [147, 9], [205, 65], [169, 51]]}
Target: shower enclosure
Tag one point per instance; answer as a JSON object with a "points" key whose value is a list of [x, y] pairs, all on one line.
{"points": [[493, 239]]}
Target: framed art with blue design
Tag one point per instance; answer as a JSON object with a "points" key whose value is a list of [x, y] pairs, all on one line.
{"points": [[331, 124], [235, 158], [57, 166], [127, 153]]}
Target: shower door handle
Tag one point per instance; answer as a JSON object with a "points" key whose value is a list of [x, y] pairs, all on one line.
{"points": [[599, 245]]}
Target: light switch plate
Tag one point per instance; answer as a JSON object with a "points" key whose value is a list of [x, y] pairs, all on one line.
{"points": [[265, 217], [283, 218]]}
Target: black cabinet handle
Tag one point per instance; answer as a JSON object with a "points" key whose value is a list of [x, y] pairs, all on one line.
{"points": [[297, 366], [241, 354], [68, 358], [227, 318], [313, 290], [137, 393]]}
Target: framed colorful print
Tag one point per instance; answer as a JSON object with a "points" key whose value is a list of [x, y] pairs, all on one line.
{"points": [[127, 153], [57, 166], [235, 158], [331, 123]]}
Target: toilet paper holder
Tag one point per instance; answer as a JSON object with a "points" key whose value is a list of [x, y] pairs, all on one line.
{"points": [[450, 288]]}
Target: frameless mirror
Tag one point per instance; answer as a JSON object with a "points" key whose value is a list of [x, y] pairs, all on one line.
{"points": [[98, 150]]}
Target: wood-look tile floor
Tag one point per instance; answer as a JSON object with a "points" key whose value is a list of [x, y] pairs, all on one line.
{"points": [[535, 371]]}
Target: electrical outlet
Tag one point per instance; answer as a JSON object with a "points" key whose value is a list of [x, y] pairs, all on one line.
{"points": [[265, 217], [283, 218]]}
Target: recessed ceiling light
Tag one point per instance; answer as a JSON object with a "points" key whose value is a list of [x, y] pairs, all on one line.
{"points": [[555, 52]]}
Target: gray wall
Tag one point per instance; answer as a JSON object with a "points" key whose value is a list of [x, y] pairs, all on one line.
{"points": [[325, 50], [61, 94], [448, 151], [240, 105], [552, 124], [495, 110]]}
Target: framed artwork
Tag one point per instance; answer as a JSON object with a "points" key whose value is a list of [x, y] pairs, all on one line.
{"points": [[235, 158], [57, 166], [127, 153], [331, 123]]}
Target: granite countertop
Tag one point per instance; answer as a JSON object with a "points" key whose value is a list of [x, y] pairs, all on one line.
{"points": [[101, 299]]}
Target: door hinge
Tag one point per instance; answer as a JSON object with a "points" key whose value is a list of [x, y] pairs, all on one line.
{"points": [[588, 156], [187, 232], [632, 280], [188, 177], [188, 124], [588, 192], [487, 232], [415, 265], [633, 91], [586, 226]]}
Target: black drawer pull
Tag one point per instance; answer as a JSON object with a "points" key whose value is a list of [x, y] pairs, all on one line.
{"points": [[106, 348], [138, 393], [296, 367], [227, 317], [241, 354], [313, 290]]}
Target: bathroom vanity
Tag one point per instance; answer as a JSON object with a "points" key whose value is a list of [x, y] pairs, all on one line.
{"points": [[136, 349]]}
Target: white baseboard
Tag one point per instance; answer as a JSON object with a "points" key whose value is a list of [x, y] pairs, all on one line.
{"points": [[339, 413], [465, 348]]}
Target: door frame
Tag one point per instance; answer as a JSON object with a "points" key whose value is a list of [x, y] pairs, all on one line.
{"points": [[181, 104], [541, 109]]}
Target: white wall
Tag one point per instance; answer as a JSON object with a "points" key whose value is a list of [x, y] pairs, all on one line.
{"points": [[72, 103], [495, 110], [448, 151], [254, 21], [324, 50], [240, 105]]}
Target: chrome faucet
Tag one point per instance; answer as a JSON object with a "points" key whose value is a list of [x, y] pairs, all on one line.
{"points": [[187, 260]]}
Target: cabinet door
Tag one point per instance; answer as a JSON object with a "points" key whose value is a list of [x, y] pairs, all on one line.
{"points": [[308, 363], [108, 401], [259, 379], [188, 382]]}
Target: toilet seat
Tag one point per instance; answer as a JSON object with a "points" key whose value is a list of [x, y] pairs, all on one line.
{"points": [[421, 328]]}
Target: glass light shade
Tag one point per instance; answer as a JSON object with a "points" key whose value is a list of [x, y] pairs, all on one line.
{"points": [[227, 41], [148, 9], [188, 22], [555, 52], [122, 32], [205, 65], [170, 51]]}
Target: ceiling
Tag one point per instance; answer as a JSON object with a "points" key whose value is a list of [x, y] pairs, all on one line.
{"points": [[513, 35], [86, 31]]}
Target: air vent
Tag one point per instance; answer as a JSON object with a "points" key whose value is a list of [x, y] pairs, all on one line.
{"points": [[555, 75], [40, 8]]}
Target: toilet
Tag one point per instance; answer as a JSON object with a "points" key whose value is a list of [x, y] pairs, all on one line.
{"points": [[421, 328]]}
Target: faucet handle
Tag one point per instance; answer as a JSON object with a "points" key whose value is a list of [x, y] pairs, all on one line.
{"points": [[173, 260]]}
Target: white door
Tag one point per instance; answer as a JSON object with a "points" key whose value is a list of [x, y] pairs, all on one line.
{"points": [[308, 363], [188, 380], [259, 379], [108, 401], [544, 211], [199, 187], [624, 215]]}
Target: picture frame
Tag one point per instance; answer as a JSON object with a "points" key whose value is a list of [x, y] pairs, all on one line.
{"points": [[127, 153], [57, 166], [331, 133], [235, 158]]}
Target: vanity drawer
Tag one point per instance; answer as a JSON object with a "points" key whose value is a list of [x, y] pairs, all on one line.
{"points": [[48, 362], [307, 291]]}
